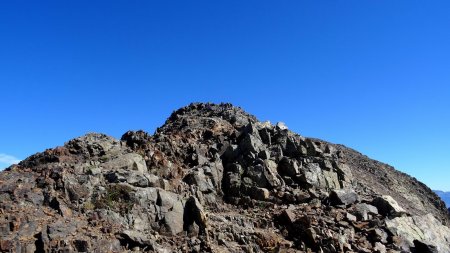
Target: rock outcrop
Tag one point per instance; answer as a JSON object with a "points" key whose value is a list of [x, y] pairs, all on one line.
{"points": [[215, 179]]}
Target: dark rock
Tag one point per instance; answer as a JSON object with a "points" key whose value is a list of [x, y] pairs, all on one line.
{"points": [[198, 178], [232, 184], [388, 206], [260, 193], [271, 175], [257, 175], [288, 167], [194, 212], [314, 148], [265, 136], [424, 248], [343, 197], [287, 217], [251, 144], [81, 245]]}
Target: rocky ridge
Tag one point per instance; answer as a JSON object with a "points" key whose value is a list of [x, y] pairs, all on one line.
{"points": [[445, 196], [215, 179]]}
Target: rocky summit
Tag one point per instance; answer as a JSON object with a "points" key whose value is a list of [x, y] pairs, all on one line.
{"points": [[215, 179]]}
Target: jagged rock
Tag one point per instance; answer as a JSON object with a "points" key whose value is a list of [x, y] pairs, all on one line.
{"points": [[343, 197], [313, 175], [215, 172], [388, 206], [214, 179], [288, 167], [344, 174], [365, 211], [194, 213], [287, 217], [59, 230], [270, 172], [424, 248], [257, 175], [313, 147], [251, 144], [292, 145], [93, 145], [198, 177], [281, 126]]}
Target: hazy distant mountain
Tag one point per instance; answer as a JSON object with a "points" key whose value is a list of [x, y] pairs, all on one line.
{"points": [[445, 196]]}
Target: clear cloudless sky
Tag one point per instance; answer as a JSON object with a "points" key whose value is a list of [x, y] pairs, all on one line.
{"points": [[373, 75]]}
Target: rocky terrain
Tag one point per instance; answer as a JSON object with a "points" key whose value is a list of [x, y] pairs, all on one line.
{"points": [[445, 196], [215, 179]]}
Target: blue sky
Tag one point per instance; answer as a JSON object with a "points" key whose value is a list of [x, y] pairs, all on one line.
{"points": [[373, 75]]}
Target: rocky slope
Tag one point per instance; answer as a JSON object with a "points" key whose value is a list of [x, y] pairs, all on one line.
{"points": [[214, 179], [445, 196]]}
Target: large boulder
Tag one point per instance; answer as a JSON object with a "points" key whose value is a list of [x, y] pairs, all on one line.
{"points": [[289, 167], [170, 208], [343, 197], [388, 206], [194, 213], [425, 229], [130, 161], [251, 144], [314, 175], [365, 211]]}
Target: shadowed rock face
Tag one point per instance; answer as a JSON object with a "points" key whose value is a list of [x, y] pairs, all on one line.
{"points": [[213, 178]]}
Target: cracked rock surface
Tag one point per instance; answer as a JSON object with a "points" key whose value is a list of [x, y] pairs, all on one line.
{"points": [[215, 179]]}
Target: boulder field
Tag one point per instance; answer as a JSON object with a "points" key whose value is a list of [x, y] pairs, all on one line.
{"points": [[215, 179]]}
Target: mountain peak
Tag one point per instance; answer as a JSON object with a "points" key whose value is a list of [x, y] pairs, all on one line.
{"points": [[223, 110], [213, 178]]}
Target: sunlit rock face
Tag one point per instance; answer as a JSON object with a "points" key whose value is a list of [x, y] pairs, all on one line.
{"points": [[214, 179]]}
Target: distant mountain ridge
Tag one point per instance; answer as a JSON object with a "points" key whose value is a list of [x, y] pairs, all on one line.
{"points": [[445, 196]]}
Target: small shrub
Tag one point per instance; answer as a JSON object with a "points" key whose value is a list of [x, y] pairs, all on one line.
{"points": [[117, 198], [104, 159], [88, 206]]}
